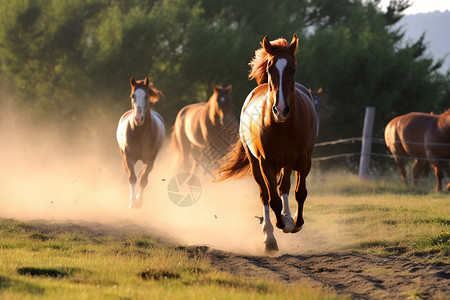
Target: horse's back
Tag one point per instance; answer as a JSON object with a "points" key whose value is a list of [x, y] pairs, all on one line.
{"points": [[406, 133], [308, 113], [189, 123]]}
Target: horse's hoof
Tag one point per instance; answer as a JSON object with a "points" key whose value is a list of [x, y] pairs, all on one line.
{"points": [[296, 229], [270, 246], [289, 224]]}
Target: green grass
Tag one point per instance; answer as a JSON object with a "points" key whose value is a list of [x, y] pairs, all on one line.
{"points": [[380, 217], [36, 263]]}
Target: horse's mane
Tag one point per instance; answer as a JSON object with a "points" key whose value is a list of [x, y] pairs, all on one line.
{"points": [[153, 92], [259, 62]]}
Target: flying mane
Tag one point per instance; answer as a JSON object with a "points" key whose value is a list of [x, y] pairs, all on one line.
{"points": [[153, 93], [259, 62]]}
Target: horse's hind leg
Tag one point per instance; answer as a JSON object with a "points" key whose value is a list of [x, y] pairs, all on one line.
{"points": [[284, 185], [270, 243], [401, 168], [448, 184], [300, 196], [417, 168]]}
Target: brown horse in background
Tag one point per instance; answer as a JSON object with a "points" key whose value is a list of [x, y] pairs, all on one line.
{"points": [[204, 131], [140, 135], [277, 133], [321, 106], [422, 136]]}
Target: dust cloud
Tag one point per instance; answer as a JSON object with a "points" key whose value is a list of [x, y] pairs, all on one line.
{"points": [[55, 175]]}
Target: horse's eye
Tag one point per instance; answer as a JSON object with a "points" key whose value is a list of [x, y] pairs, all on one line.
{"points": [[133, 96], [293, 72]]}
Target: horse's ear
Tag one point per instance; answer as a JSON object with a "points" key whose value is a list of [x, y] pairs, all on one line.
{"points": [[146, 81], [266, 45], [229, 88], [294, 44], [132, 81], [319, 90], [217, 88]]}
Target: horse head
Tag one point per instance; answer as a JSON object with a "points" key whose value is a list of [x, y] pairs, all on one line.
{"points": [[220, 102], [142, 94], [280, 68]]}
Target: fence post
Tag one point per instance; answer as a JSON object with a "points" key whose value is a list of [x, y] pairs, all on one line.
{"points": [[366, 147]]}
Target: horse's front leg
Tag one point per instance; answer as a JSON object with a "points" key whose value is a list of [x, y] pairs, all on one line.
{"points": [[286, 223], [143, 181], [129, 166], [270, 243], [284, 186]]}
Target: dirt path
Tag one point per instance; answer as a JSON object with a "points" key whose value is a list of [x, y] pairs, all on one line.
{"points": [[362, 276]]}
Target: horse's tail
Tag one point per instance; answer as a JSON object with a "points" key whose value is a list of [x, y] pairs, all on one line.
{"points": [[235, 163]]}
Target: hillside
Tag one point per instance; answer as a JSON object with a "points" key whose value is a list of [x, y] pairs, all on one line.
{"points": [[436, 26]]}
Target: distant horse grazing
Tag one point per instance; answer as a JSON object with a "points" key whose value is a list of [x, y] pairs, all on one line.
{"points": [[277, 133], [422, 136], [204, 131], [140, 135]]}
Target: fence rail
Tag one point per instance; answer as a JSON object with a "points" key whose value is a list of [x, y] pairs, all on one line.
{"points": [[374, 140]]}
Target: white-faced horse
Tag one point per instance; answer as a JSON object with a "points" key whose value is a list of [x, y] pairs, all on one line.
{"points": [[140, 135]]}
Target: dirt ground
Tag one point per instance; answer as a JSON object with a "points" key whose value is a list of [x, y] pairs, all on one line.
{"points": [[361, 276]]}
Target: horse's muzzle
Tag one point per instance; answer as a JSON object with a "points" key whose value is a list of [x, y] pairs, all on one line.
{"points": [[139, 120], [281, 117]]}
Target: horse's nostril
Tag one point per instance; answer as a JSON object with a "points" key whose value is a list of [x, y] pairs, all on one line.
{"points": [[286, 111], [275, 110]]}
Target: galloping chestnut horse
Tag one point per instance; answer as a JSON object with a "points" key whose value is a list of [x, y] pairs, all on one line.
{"points": [[140, 135], [422, 136], [204, 131], [277, 133]]}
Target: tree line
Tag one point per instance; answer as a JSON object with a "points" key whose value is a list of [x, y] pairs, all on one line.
{"points": [[63, 59]]}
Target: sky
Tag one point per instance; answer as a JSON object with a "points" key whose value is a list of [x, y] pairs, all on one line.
{"points": [[423, 6]]}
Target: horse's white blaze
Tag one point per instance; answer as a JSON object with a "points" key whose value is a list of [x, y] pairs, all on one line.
{"points": [[281, 65], [140, 99]]}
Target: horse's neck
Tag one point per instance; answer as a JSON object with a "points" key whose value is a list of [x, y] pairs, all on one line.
{"points": [[444, 122]]}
